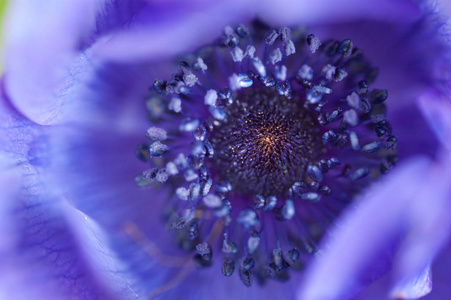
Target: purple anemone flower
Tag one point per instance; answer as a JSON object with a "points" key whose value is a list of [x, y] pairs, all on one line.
{"points": [[231, 150]]}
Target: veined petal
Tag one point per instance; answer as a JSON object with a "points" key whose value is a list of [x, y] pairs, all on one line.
{"points": [[39, 251], [41, 42], [100, 125], [46, 245], [98, 121], [38, 50], [92, 163], [45, 255]]}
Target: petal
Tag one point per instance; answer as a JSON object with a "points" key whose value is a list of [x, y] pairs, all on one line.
{"points": [[360, 247], [41, 42], [91, 160], [413, 220], [45, 245], [183, 28], [9, 184], [445, 7], [415, 287], [209, 283], [398, 50], [441, 274], [163, 30], [290, 12], [437, 110], [40, 252], [91, 152], [427, 222], [36, 56]]}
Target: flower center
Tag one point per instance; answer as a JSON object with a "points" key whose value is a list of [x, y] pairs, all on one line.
{"points": [[265, 143], [262, 138]]}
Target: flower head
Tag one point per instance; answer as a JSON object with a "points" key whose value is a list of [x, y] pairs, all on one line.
{"points": [[260, 134], [273, 130]]}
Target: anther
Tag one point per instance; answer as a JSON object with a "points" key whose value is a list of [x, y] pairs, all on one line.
{"points": [[280, 125]]}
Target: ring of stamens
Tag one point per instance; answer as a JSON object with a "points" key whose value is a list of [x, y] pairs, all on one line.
{"points": [[259, 128]]}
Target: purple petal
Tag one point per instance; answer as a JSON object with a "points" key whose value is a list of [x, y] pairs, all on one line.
{"points": [[42, 41], [39, 49], [437, 110], [39, 251], [209, 284], [92, 161], [46, 245], [360, 247], [162, 30], [427, 222], [398, 50], [290, 12], [92, 151], [415, 287], [441, 273]]}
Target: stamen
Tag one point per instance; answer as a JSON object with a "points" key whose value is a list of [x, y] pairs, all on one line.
{"points": [[264, 127]]}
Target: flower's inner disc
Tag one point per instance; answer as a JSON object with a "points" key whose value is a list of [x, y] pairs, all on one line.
{"points": [[265, 143]]}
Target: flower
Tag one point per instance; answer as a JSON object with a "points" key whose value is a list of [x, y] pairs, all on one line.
{"points": [[73, 223]]}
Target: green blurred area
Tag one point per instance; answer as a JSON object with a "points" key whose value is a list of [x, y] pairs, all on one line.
{"points": [[2, 13]]}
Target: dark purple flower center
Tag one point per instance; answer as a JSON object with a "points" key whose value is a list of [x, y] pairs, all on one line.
{"points": [[263, 137], [265, 143]]}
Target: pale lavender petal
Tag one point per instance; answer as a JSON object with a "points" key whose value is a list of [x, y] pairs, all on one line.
{"points": [[414, 288], [92, 162], [437, 110], [441, 275], [427, 222], [9, 184], [93, 148], [42, 40], [445, 7], [289, 12]]}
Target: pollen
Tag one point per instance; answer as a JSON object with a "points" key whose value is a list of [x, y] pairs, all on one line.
{"points": [[261, 139], [266, 142]]}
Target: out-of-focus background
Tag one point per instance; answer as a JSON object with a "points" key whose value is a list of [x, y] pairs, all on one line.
{"points": [[2, 13]]}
